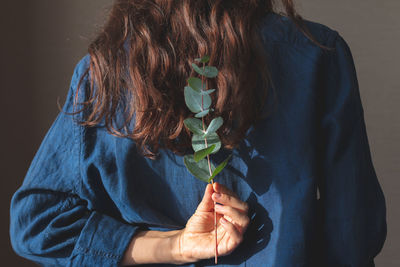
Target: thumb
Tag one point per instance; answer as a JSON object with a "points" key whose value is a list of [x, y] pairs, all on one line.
{"points": [[207, 204]]}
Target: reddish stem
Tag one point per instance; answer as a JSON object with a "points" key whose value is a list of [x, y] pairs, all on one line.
{"points": [[209, 168], [215, 229]]}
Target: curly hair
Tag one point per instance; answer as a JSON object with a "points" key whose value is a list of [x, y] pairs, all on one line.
{"points": [[140, 62]]}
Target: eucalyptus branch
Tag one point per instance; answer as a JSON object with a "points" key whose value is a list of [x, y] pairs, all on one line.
{"points": [[205, 140]]}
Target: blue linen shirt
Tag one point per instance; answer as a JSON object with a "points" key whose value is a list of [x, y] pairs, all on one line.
{"points": [[87, 192]]}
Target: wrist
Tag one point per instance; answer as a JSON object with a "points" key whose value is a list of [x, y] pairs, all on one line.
{"points": [[177, 252], [155, 247]]}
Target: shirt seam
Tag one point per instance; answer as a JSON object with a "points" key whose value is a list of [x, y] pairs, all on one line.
{"points": [[89, 251], [295, 38], [78, 137], [78, 144], [329, 41]]}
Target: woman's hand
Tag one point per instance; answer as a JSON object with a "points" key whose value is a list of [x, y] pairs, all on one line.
{"points": [[197, 239]]}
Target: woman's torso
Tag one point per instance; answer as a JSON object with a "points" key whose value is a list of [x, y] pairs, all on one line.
{"points": [[275, 169]]}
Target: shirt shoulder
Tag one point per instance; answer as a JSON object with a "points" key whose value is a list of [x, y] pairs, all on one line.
{"points": [[279, 28]]}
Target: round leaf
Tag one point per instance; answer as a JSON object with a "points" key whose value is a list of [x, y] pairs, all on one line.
{"points": [[196, 84], [197, 69], [193, 100], [202, 113], [205, 59], [198, 142], [207, 92], [214, 126], [194, 125], [198, 169], [210, 72]]}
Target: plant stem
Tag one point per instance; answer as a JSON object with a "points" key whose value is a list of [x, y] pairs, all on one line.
{"points": [[209, 168]]}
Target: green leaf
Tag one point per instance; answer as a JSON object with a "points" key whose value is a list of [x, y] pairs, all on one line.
{"points": [[198, 155], [204, 59], [207, 92], [202, 113], [197, 69], [219, 168], [198, 169], [198, 142], [193, 100], [196, 84], [214, 126], [194, 125], [210, 71]]}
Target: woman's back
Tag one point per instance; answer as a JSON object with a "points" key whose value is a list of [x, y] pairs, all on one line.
{"points": [[92, 191]]}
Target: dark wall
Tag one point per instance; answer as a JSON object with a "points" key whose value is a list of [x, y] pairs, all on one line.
{"points": [[372, 30], [42, 40], [17, 128]]}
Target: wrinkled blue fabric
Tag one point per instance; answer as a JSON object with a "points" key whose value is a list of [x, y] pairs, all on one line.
{"points": [[88, 192]]}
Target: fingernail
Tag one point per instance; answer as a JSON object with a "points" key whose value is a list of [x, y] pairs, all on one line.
{"points": [[217, 195], [223, 220]]}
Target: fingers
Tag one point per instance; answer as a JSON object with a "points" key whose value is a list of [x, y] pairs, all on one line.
{"points": [[232, 208], [230, 200], [232, 230], [220, 188], [206, 204], [240, 219]]}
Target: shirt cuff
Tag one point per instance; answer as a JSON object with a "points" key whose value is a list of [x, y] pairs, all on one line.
{"points": [[103, 241]]}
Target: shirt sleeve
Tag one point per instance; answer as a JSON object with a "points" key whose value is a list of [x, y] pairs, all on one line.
{"points": [[352, 201], [51, 223]]}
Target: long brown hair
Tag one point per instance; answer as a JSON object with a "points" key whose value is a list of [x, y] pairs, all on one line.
{"points": [[141, 59]]}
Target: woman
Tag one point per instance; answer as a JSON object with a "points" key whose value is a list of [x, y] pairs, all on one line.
{"points": [[108, 186]]}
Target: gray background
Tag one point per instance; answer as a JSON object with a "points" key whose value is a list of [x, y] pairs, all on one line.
{"points": [[42, 41]]}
